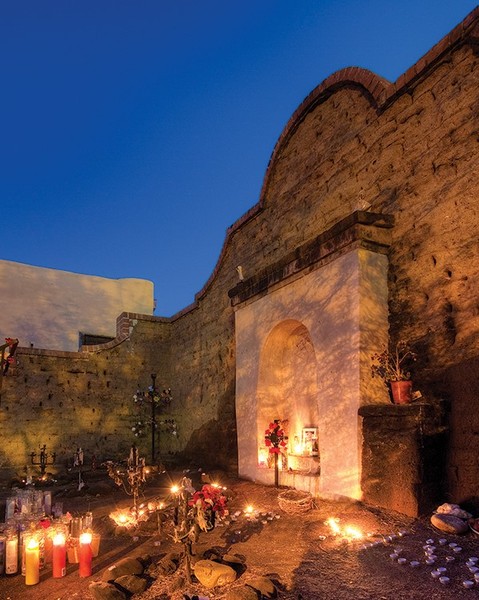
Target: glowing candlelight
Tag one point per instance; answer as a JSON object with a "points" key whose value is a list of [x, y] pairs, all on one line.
{"points": [[353, 533], [174, 489], [85, 554], [59, 555], [249, 510], [333, 524], [32, 562]]}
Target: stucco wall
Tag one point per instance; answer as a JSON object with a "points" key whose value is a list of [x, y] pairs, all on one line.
{"points": [[327, 303], [48, 308]]}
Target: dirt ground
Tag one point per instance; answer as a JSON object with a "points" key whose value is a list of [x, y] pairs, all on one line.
{"points": [[298, 551]]}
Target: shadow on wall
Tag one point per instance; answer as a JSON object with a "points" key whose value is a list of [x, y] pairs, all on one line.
{"points": [[214, 444]]}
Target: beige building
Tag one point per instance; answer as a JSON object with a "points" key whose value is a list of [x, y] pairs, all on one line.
{"points": [[56, 310]]}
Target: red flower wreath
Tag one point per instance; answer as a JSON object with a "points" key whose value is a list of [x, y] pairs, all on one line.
{"points": [[274, 437]]}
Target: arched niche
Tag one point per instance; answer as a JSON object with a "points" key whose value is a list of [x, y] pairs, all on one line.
{"points": [[287, 381]]}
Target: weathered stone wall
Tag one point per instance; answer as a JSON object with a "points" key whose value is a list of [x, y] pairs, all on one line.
{"points": [[407, 149], [84, 399]]}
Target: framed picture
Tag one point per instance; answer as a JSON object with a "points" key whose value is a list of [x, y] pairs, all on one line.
{"points": [[309, 441]]}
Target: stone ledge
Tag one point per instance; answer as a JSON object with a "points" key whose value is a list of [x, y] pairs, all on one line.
{"points": [[415, 409], [370, 230]]}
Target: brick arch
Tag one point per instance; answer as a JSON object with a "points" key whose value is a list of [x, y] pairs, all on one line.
{"points": [[375, 88]]}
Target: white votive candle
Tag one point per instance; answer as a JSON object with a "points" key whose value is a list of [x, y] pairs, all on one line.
{"points": [[457, 549], [473, 569], [473, 559], [430, 561], [450, 558], [468, 584], [402, 561], [444, 580], [435, 574]]}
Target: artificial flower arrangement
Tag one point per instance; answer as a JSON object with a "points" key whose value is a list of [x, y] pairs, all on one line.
{"points": [[274, 437], [208, 501]]}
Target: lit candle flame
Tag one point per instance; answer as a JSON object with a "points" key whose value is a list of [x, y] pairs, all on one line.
{"points": [[59, 539], [85, 537], [249, 510], [174, 489], [32, 544], [348, 531]]}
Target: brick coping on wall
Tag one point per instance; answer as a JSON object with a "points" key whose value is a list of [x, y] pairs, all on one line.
{"points": [[381, 94], [124, 325]]}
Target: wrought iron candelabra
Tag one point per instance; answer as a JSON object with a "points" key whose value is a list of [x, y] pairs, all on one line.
{"points": [[43, 459]]}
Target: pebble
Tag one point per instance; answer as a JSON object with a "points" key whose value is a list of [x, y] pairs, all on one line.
{"points": [[394, 556], [414, 563]]}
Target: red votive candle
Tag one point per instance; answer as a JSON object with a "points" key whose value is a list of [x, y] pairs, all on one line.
{"points": [[85, 554], [59, 556]]}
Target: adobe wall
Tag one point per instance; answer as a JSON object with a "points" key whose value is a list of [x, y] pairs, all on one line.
{"points": [[67, 400], [407, 149]]}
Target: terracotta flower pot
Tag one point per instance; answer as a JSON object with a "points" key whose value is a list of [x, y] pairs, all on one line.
{"points": [[401, 391]]}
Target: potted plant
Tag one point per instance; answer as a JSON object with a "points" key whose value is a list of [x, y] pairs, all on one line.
{"points": [[393, 367]]}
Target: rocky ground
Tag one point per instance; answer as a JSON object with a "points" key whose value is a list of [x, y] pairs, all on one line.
{"points": [[296, 552]]}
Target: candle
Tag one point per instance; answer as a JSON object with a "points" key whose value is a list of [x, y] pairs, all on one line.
{"points": [[11, 554], [32, 562], [59, 555], [3, 543], [85, 554]]}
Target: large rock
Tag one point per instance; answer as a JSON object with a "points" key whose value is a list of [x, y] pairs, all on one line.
{"points": [[212, 574], [126, 566], [449, 523], [132, 583], [264, 586], [100, 590], [241, 593]]}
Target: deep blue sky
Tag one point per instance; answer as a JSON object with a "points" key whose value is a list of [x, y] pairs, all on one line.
{"points": [[134, 133]]}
